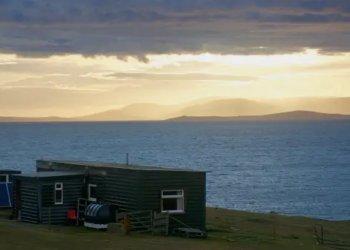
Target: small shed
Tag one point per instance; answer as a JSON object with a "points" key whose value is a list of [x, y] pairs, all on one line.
{"points": [[177, 191], [46, 197], [6, 187]]}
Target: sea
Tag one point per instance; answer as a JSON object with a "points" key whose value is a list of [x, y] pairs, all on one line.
{"points": [[292, 168]]}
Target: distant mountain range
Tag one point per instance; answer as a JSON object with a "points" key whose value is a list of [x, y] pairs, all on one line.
{"points": [[33, 119], [286, 116], [208, 107]]}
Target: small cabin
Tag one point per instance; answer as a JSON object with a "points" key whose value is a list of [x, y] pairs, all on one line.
{"points": [[45, 197], [6, 187], [57, 186]]}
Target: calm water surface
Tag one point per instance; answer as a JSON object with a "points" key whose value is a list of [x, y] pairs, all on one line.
{"points": [[294, 168]]}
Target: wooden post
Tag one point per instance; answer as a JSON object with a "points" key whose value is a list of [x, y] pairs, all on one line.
{"points": [[274, 216], [49, 218], [126, 223], [319, 238], [127, 158], [154, 217], [227, 230], [316, 234], [78, 212], [167, 223]]}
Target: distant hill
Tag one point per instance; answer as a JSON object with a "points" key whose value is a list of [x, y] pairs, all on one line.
{"points": [[229, 107], [34, 119], [141, 112], [286, 116], [208, 107], [150, 111], [133, 112], [340, 105], [109, 115]]}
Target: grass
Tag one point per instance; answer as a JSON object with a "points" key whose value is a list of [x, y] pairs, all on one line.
{"points": [[248, 231]]}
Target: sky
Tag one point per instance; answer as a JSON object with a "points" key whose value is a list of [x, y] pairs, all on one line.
{"points": [[71, 58]]}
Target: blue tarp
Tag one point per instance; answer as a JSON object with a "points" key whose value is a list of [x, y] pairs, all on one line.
{"points": [[5, 194]]}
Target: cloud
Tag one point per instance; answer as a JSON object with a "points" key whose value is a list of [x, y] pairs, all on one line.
{"points": [[35, 83], [68, 83], [100, 75], [8, 63], [182, 77], [58, 74], [37, 28], [299, 18]]}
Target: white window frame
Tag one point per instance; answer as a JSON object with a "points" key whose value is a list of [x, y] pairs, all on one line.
{"points": [[93, 199], [180, 198], [59, 189], [7, 178]]}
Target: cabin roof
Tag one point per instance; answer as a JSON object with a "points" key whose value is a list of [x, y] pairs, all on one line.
{"points": [[120, 166], [48, 174]]}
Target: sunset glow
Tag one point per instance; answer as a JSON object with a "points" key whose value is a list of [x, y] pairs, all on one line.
{"points": [[101, 61], [168, 79]]}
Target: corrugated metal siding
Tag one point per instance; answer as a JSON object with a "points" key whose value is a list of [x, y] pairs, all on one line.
{"points": [[71, 193], [118, 186], [14, 198], [134, 190], [11, 177], [122, 188], [29, 201], [194, 186], [96, 177]]}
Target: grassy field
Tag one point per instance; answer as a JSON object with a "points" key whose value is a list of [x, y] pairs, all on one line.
{"points": [[248, 231]]}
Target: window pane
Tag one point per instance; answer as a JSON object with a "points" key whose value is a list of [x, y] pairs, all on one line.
{"points": [[180, 204], [58, 186], [3, 178], [169, 204], [166, 193], [93, 192], [58, 196]]}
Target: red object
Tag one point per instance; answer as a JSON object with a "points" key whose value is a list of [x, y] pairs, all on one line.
{"points": [[72, 214]]}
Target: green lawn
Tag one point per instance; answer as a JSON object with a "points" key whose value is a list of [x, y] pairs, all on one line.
{"points": [[249, 231]]}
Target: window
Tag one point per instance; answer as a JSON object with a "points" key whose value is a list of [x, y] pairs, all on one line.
{"points": [[173, 201], [58, 193], [4, 178], [92, 192]]}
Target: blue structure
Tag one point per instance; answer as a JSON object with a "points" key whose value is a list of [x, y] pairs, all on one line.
{"points": [[6, 187], [5, 195]]}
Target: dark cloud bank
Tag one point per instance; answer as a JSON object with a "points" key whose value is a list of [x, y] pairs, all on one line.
{"points": [[40, 28]]}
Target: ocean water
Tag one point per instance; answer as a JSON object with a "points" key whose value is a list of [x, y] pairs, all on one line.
{"points": [[293, 168]]}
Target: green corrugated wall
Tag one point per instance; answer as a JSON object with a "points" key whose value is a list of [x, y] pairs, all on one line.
{"points": [[122, 189], [71, 192], [29, 202], [194, 186]]}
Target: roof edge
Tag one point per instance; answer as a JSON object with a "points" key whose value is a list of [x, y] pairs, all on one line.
{"points": [[118, 166]]}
